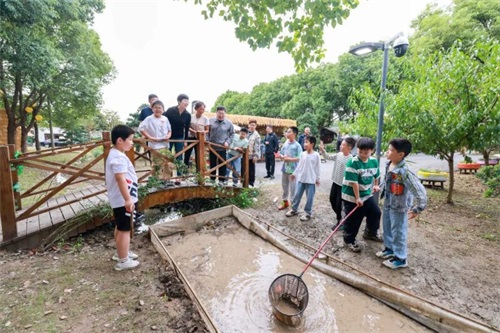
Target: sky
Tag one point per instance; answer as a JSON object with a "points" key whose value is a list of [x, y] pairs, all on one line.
{"points": [[166, 47]]}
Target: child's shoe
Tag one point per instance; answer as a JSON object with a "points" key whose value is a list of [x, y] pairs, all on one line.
{"points": [[395, 263], [127, 264], [375, 238], [385, 254], [284, 205], [353, 247], [291, 213], [305, 217], [131, 255]]}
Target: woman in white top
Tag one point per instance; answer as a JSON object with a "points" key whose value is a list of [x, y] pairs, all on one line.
{"points": [[199, 124], [156, 128]]}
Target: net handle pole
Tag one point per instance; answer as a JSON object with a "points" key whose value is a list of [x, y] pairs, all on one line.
{"points": [[327, 240]]}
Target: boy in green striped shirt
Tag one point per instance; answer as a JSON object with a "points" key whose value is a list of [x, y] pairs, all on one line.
{"points": [[361, 180]]}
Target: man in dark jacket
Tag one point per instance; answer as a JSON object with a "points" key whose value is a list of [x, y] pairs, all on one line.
{"points": [[180, 120], [303, 136], [272, 145]]}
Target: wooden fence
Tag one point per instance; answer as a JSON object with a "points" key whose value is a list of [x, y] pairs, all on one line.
{"points": [[51, 205]]}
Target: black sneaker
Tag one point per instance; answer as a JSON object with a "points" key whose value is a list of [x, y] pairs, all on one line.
{"points": [[375, 238], [353, 247], [272, 177], [267, 176]]}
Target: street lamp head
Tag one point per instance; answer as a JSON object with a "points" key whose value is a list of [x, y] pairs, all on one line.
{"points": [[401, 46], [366, 48]]}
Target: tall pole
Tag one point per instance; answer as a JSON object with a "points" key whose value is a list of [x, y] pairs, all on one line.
{"points": [[381, 110]]}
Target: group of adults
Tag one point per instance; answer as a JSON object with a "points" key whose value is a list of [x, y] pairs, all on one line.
{"points": [[219, 132]]}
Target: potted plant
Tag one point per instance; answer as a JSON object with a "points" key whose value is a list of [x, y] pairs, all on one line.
{"points": [[467, 165]]}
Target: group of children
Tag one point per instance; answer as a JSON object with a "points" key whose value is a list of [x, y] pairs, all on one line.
{"points": [[355, 180]]}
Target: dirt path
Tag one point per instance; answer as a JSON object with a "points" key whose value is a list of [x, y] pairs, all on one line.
{"points": [[453, 258]]}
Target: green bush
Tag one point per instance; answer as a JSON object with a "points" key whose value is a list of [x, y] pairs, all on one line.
{"points": [[490, 176]]}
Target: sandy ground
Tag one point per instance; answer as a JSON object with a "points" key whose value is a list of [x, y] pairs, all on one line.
{"points": [[453, 258]]}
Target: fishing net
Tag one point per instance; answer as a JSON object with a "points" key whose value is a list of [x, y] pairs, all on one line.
{"points": [[289, 296]]}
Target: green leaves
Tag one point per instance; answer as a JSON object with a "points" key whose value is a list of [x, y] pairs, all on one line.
{"points": [[294, 26], [49, 53]]}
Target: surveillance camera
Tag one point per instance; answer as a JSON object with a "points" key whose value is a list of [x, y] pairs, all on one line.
{"points": [[400, 46]]}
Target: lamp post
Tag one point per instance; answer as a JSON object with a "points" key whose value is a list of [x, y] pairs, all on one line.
{"points": [[400, 45]]}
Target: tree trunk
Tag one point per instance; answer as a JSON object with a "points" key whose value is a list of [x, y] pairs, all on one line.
{"points": [[24, 140], [37, 137], [486, 156], [11, 128], [449, 199]]}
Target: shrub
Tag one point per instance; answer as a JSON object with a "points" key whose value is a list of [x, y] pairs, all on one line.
{"points": [[490, 176]]}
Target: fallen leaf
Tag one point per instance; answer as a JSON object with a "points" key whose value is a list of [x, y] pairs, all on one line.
{"points": [[26, 284], [55, 258], [154, 328], [61, 300], [141, 302], [47, 312], [67, 291], [45, 282], [63, 317]]}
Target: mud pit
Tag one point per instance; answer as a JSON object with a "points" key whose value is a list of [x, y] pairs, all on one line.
{"points": [[231, 269]]}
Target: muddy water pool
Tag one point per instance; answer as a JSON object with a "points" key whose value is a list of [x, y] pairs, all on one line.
{"points": [[231, 269]]}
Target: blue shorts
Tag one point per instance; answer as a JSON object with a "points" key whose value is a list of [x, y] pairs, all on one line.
{"points": [[122, 219]]}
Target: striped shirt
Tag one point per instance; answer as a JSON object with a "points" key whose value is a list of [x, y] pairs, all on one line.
{"points": [[339, 167], [362, 173]]}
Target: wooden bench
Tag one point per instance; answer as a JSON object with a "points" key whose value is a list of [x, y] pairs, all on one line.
{"points": [[466, 171], [437, 182]]}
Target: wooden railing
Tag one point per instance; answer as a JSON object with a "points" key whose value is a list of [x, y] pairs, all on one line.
{"points": [[40, 193]]}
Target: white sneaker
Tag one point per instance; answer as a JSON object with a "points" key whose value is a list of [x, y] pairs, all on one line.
{"points": [[131, 255], [127, 264]]}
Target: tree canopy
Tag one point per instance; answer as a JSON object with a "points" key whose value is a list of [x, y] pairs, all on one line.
{"points": [[295, 26], [452, 102], [48, 53]]}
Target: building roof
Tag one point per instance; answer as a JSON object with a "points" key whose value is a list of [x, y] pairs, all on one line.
{"points": [[261, 121]]}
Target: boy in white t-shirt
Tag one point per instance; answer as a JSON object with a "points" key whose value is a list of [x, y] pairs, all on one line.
{"points": [[121, 183], [156, 128]]}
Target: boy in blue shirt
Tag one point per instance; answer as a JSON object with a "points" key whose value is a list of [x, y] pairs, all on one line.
{"points": [[291, 155], [400, 186], [240, 142]]}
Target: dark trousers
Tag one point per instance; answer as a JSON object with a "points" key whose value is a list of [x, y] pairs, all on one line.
{"points": [[370, 210], [187, 156], [251, 171], [270, 163], [214, 160], [336, 200], [178, 147]]}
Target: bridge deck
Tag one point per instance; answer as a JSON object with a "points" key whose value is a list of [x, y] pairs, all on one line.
{"points": [[55, 217]]}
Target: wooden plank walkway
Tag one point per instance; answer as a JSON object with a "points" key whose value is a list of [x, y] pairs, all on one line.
{"points": [[55, 217]]}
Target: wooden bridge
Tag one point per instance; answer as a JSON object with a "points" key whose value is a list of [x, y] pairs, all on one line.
{"points": [[28, 216]]}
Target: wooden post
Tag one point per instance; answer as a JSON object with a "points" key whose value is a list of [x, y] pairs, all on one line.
{"points": [[201, 164], [131, 156], [15, 179], [7, 208], [106, 146], [245, 166]]}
